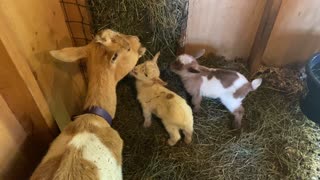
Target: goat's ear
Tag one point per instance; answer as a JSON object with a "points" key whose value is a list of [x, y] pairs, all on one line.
{"points": [[256, 83], [158, 80], [141, 51], [199, 53], [155, 58], [70, 54], [193, 70]]}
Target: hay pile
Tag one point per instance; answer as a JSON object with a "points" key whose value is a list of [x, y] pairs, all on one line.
{"points": [[277, 141], [157, 22]]}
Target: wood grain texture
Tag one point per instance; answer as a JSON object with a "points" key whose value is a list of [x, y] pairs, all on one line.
{"points": [[29, 30], [23, 95], [226, 27], [296, 33], [268, 19], [20, 150]]}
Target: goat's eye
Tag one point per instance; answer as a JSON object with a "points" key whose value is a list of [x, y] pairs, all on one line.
{"points": [[146, 74], [114, 57]]}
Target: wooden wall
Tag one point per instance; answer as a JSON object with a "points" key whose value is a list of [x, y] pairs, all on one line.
{"points": [[229, 27], [12, 136], [296, 34], [225, 27], [39, 91]]}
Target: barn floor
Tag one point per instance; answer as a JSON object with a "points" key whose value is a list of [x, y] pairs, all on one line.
{"points": [[277, 141]]}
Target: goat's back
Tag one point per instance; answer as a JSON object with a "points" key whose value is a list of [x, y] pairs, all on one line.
{"points": [[87, 148]]}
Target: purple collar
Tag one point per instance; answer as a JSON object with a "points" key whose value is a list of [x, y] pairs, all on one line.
{"points": [[99, 112]]}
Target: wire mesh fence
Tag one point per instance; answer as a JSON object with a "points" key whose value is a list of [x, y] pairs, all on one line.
{"points": [[77, 18]]}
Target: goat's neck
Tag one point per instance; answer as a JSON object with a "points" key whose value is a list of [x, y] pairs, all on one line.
{"points": [[102, 92]]}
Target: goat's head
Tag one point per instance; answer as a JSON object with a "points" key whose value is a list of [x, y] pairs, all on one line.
{"points": [[109, 51], [148, 71], [186, 65]]}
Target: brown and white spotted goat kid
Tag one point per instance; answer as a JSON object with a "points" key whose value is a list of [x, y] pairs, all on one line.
{"points": [[229, 86], [89, 148], [154, 98]]}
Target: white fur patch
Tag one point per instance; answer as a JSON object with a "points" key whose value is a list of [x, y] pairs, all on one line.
{"points": [[97, 153], [186, 59], [214, 89], [256, 83], [211, 88]]}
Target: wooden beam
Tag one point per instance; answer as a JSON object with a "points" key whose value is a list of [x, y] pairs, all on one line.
{"points": [[267, 22], [21, 92], [30, 110], [27, 36]]}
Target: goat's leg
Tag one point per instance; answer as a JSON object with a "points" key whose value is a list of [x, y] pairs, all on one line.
{"points": [[196, 101], [147, 117], [238, 114], [235, 107], [188, 134], [174, 134]]}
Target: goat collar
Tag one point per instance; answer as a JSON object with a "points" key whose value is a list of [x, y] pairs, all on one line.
{"points": [[100, 112]]}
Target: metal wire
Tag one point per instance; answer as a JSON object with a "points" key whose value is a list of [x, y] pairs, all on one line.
{"points": [[84, 25]]}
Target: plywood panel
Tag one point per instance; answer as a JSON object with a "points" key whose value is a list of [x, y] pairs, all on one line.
{"points": [[12, 136], [25, 99], [225, 27], [30, 28], [21, 147], [296, 34]]}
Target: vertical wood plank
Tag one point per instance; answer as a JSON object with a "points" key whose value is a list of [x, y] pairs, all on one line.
{"points": [[12, 136], [268, 19], [225, 27], [30, 28], [296, 33]]}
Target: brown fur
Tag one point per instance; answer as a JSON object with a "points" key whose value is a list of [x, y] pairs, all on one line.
{"points": [[48, 169], [238, 114], [169, 96], [72, 161], [243, 91], [102, 130], [192, 85], [109, 58], [226, 77], [177, 65], [57, 168]]}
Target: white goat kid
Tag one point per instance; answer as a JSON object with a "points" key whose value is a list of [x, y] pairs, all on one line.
{"points": [[229, 86]]}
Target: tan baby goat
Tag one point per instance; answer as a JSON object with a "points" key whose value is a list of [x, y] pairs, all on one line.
{"points": [[173, 110], [229, 86]]}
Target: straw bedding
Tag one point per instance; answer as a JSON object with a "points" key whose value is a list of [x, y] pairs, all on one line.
{"points": [[276, 142]]}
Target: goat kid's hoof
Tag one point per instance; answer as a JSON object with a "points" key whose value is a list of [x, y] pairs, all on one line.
{"points": [[171, 142], [146, 124], [236, 126], [196, 109], [187, 140]]}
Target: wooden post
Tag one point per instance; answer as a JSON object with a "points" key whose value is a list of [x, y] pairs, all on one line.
{"points": [[38, 89], [268, 19]]}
